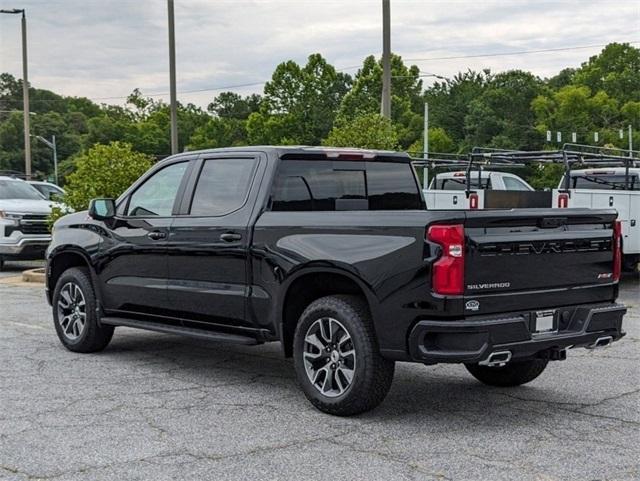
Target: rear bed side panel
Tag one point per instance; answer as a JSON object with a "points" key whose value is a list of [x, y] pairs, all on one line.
{"points": [[385, 250]]}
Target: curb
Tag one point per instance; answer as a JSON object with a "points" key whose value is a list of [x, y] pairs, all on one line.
{"points": [[34, 275]]}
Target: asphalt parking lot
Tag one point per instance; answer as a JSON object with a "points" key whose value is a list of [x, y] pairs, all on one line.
{"points": [[160, 407]]}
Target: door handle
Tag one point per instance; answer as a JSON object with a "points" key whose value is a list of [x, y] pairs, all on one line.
{"points": [[156, 235], [230, 237]]}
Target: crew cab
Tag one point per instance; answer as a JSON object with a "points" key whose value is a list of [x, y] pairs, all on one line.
{"points": [[332, 253], [611, 187], [24, 234]]}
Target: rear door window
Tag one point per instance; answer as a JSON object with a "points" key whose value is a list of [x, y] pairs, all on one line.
{"points": [[512, 183], [222, 186]]}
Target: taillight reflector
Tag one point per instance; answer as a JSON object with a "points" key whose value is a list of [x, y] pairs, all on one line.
{"points": [[563, 201], [617, 250], [447, 275], [473, 201]]}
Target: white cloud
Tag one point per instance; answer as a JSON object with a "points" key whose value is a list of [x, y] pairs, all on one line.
{"points": [[107, 48]]}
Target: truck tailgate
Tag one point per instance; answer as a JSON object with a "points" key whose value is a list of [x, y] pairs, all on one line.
{"points": [[518, 257]]}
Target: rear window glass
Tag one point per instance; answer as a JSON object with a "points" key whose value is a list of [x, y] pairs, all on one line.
{"points": [[604, 182], [319, 185], [460, 183]]}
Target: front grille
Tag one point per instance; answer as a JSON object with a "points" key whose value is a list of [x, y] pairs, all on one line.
{"points": [[34, 224]]}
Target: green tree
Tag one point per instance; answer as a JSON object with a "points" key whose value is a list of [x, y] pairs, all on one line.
{"points": [[545, 176], [407, 105], [104, 171], [230, 105], [449, 101], [219, 132], [299, 103], [501, 115], [368, 131], [439, 142], [615, 70]]}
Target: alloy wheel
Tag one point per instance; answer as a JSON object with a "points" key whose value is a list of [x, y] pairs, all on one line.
{"points": [[72, 315], [329, 357]]}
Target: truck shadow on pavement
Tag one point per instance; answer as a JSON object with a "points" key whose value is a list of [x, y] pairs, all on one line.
{"points": [[261, 375]]}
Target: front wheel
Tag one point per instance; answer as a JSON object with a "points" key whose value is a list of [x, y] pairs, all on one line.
{"points": [[74, 313], [336, 356], [514, 373]]}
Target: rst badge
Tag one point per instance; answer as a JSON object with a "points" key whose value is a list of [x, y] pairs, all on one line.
{"points": [[472, 305]]}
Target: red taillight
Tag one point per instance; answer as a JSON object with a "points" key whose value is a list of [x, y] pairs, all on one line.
{"points": [[473, 201], [563, 201], [617, 250], [447, 277]]}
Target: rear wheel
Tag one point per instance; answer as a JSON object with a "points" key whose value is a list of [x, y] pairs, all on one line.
{"points": [[514, 373], [631, 263], [1, 263], [336, 356], [74, 313]]}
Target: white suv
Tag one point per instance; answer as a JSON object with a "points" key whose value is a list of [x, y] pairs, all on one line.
{"points": [[24, 234]]}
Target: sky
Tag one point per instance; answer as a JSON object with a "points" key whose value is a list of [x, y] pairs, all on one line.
{"points": [[103, 49]]}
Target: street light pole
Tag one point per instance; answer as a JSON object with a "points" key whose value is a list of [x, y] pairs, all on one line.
{"points": [[426, 131], [52, 145], [25, 99], [630, 142], [25, 91], [385, 107], [172, 79]]}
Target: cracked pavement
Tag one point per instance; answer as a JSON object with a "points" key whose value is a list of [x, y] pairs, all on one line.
{"points": [[161, 407]]}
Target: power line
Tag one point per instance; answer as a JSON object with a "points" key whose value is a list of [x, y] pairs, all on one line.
{"points": [[497, 54], [501, 54], [254, 84]]}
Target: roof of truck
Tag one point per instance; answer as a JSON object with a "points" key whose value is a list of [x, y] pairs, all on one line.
{"points": [[606, 170], [312, 153]]}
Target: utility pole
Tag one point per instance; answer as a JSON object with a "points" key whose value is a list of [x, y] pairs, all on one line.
{"points": [[385, 107], [172, 79], [630, 142], [25, 91]]}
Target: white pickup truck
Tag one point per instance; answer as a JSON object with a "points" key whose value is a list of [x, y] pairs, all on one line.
{"points": [[607, 187], [488, 189], [24, 234]]}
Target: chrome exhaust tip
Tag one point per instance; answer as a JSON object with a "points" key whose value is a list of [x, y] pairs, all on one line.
{"points": [[601, 342], [498, 358]]}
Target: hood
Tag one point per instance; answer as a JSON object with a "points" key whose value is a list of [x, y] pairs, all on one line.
{"points": [[27, 206]]}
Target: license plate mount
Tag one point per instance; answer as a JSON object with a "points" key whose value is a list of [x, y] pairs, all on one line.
{"points": [[544, 322]]}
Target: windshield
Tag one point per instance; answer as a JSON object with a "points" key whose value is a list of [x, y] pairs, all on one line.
{"points": [[17, 189]]}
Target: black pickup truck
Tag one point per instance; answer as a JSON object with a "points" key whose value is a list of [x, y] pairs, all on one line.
{"points": [[333, 253]]}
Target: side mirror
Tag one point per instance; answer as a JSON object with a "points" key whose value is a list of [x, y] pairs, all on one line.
{"points": [[102, 209]]}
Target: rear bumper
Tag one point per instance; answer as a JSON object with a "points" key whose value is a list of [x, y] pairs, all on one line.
{"points": [[473, 340]]}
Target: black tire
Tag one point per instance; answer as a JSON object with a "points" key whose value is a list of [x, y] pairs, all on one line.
{"points": [[93, 336], [1, 263], [514, 373], [631, 263], [372, 375]]}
